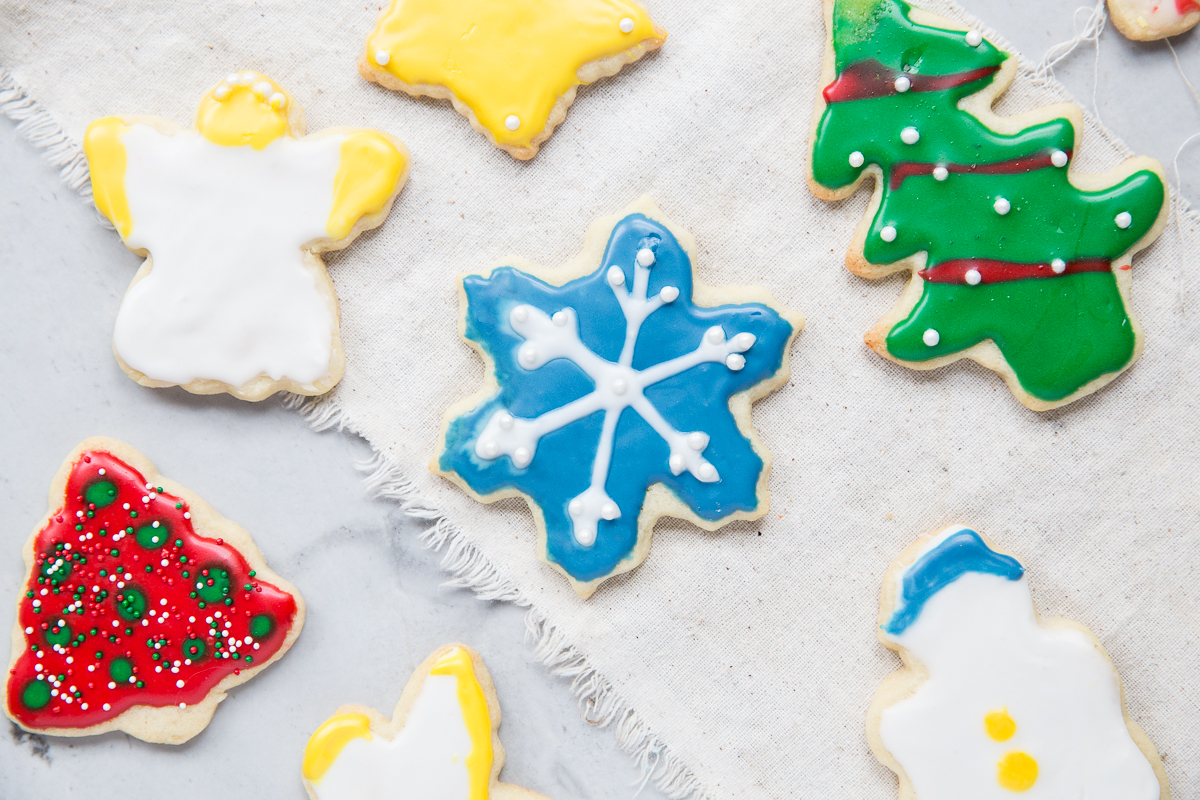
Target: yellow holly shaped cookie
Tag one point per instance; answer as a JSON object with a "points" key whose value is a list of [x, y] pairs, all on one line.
{"points": [[231, 216], [511, 68], [440, 744]]}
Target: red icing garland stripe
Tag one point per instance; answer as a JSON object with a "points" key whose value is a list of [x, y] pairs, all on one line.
{"points": [[864, 80], [127, 605], [993, 270], [909, 169], [1185, 6]]}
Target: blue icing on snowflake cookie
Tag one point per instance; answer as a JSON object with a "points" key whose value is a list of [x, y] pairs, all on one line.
{"points": [[609, 384]]}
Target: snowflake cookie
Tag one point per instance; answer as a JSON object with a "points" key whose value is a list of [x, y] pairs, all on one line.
{"points": [[232, 216], [142, 605], [994, 700], [618, 392], [1018, 261], [442, 741], [1147, 20], [511, 68]]}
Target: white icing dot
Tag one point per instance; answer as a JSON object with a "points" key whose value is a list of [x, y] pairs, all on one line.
{"points": [[626, 25], [903, 84], [735, 361], [575, 507], [263, 89], [522, 457], [520, 314], [506, 421], [491, 449], [931, 337], [616, 276], [610, 511], [221, 93], [1058, 158], [246, 78], [1124, 220], [910, 135], [669, 294], [856, 159], [645, 257], [1059, 266], [973, 277], [940, 173], [619, 386], [382, 57], [677, 463], [512, 122], [233, 78], [744, 341], [697, 440], [528, 354], [715, 335], [278, 100], [1002, 206], [560, 318], [888, 233], [974, 38], [708, 472]]}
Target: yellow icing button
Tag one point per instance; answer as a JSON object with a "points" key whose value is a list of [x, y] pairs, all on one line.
{"points": [[245, 108], [366, 179], [457, 662], [999, 725], [106, 163], [1017, 772], [508, 62], [327, 742]]}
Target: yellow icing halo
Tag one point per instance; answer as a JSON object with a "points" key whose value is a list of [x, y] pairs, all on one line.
{"points": [[245, 108]]}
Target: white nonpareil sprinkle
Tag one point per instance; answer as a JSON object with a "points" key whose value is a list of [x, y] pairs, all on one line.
{"points": [[931, 337]]}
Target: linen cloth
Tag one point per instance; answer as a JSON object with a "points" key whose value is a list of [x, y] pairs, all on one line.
{"points": [[744, 658]]}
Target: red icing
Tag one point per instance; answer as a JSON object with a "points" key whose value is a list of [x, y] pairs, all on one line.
{"points": [[909, 169], [864, 80], [1186, 6], [94, 611], [995, 271]]}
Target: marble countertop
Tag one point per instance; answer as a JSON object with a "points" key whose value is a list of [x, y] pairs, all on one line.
{"points": [[375, 604]]}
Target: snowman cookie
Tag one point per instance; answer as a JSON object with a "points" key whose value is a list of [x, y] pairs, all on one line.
{"points": [[618, 392], [511, 68], [232, 216], [442, 741], [142, 605], [1147, 20], [994, 700]]}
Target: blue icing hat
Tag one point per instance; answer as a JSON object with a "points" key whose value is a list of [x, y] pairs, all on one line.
{"points": [[959, 553]]}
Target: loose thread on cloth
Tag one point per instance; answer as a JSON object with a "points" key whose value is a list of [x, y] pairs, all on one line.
{"points": [[1093, 26], [36, 125], [599, 702]]}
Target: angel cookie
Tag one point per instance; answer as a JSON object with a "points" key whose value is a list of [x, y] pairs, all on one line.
{"points": [[442, 742], [142, 605], [232, 216], [994, 701], [619, 391], [1018, 261], [511, 68], [1146, 20]]}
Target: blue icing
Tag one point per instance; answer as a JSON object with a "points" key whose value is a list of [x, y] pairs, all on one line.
{"points": [[696, 399], [959, 553]]}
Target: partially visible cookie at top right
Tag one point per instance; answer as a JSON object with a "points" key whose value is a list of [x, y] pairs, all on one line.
{"points": [[1148, 20]]}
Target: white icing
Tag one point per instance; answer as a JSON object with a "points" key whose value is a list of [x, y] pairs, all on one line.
{"points": [[512, 122], [1059, 266], [426, 760], [229, 297], [856, 159], [940, 173], [1059, 158], [973, 277], [931, 337], [984, 651], [1002, 206], [888, 233], [618, 387], [910, 135], [974, 38], [626, 25], [1124, 220], [903, 84]]}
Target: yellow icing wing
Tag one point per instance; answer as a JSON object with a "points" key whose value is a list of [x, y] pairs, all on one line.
{"points": [[457, 662], [371, 166], [106, 162], [327, 742]]}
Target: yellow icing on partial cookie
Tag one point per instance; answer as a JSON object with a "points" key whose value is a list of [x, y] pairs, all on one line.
{"points": [[999, 725], [366, 180], [244, 116], [1017, 772], [504, 59], [327, 742], [457, 662], [106, 162]]}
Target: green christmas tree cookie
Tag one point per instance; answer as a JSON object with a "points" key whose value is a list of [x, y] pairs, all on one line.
{"points": [[1019, 262]]}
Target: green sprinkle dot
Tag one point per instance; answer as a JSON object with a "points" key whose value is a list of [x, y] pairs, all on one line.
{"points": [[103, 573], [179, 505], [133, 513], [149, 568], [179, 542], [140, 684], [78, 527], [114, 552], [249, 659]]}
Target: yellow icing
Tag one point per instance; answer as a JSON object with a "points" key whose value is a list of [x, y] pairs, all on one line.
{"points": [[366, 179], [243, 117], [327, 742], [1017, 772], [999, 725], [457, 662], [106, 162], [502, 59]]}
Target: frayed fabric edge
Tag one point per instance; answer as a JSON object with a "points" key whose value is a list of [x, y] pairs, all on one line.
{"points": [[599, 702], [36, 125]]}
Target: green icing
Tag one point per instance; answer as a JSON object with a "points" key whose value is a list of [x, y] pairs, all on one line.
{"points": [[59, 634], [152, 537], [132, 604], [101, 493], [36, 695], [881, 30], [220, 586], [261, 626], [120, 670], [1057, 334], [194, 649]]}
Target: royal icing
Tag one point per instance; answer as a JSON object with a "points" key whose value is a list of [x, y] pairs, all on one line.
{"points": [[128, 605], [991, 212], [232, 214], [511, 64], [609, 384], [1005, 703], [443, 751]]}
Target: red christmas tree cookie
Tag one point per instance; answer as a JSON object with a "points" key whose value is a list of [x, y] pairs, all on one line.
{"points": [[142, 605]]}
